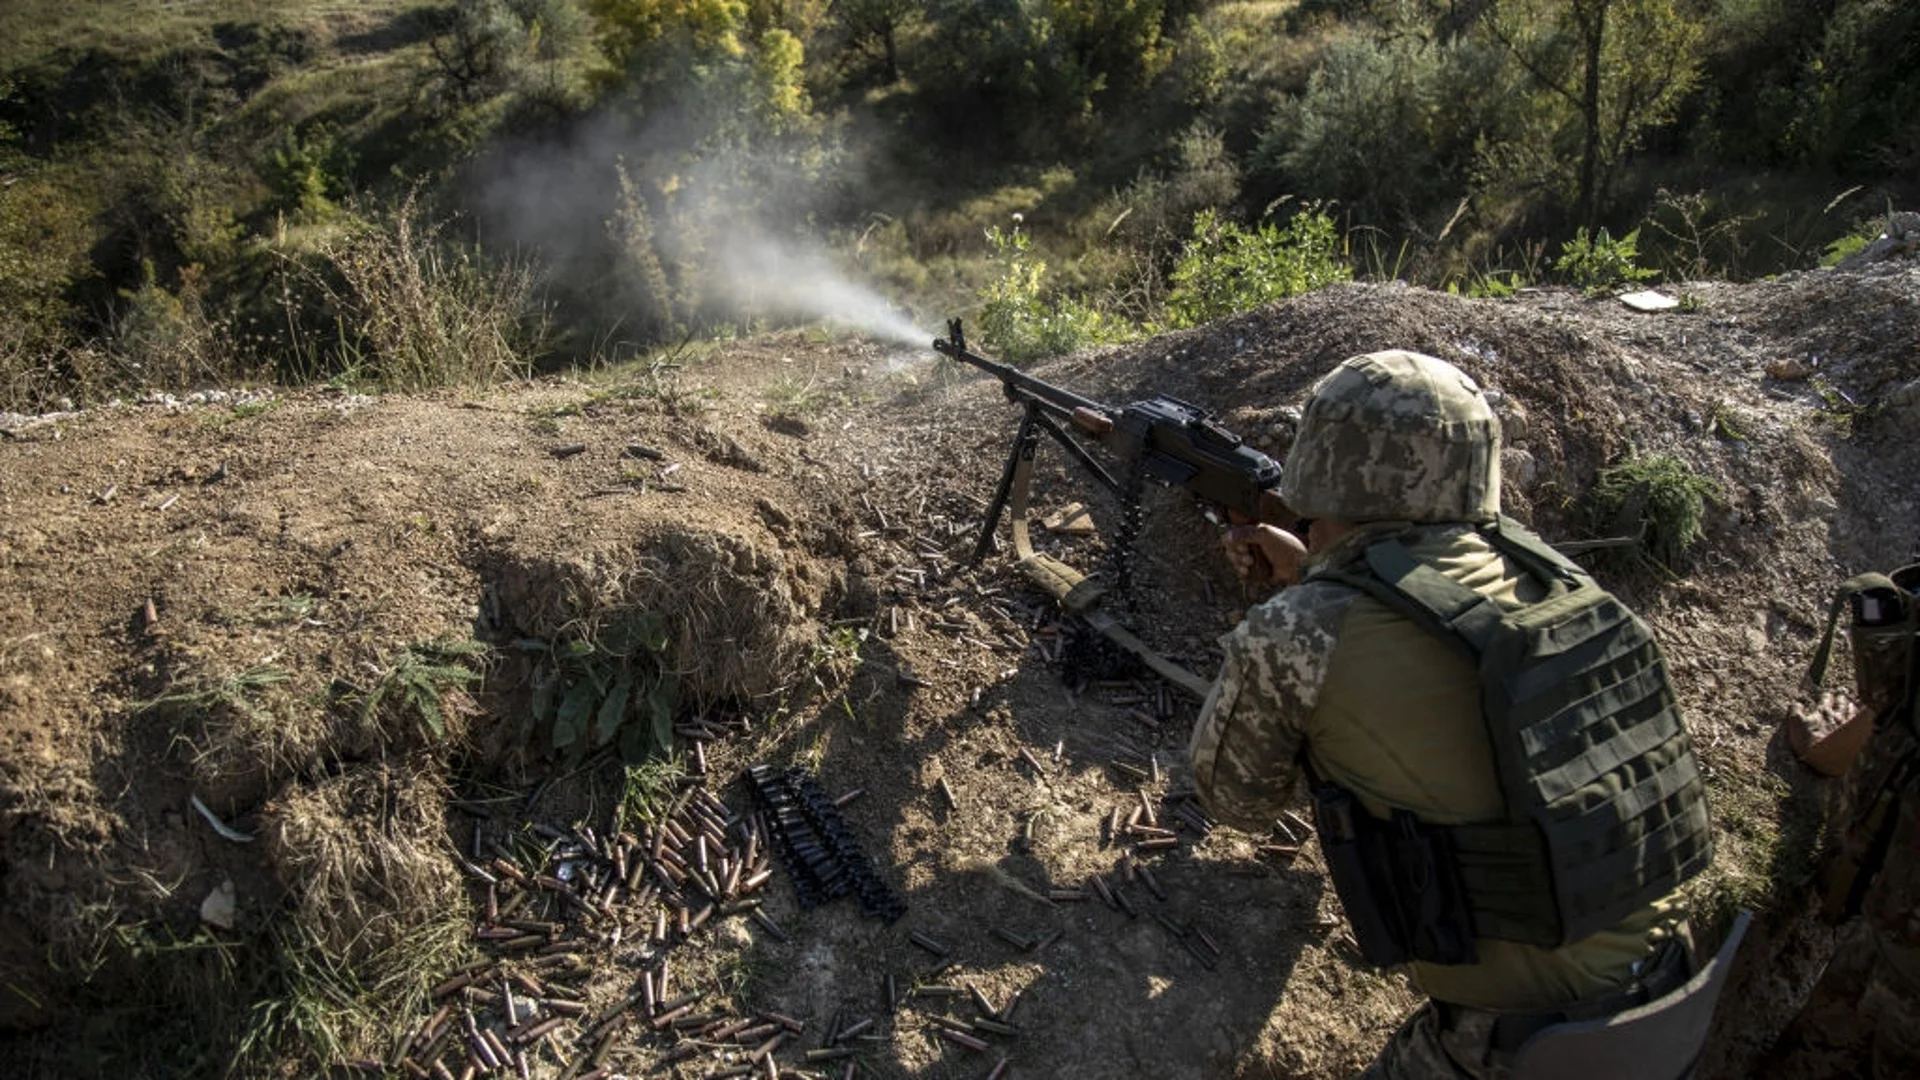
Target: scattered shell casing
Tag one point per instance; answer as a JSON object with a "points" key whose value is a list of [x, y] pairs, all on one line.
{"points": [[927, 943], [946, 792], [961, 1038], [981, 1002]]}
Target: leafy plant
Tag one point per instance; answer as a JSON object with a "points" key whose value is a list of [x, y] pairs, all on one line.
{"points": [[419, 680], [648, 789], [1598, 263], [1226, 268], [1019, 317], [605, 690], [1657, 497]]}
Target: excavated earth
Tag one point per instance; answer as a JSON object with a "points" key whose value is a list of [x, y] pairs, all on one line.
{"points": [[181, 582]]}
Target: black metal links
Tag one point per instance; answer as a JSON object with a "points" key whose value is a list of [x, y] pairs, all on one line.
{"points": [[821, 854]]}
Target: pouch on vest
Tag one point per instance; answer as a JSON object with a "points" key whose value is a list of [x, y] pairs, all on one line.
{"points": [[1397, 880]]}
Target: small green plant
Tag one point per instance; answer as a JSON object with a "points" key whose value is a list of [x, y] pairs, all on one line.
{"points": [[1226, 268], [1598, 263], [1019, 318], [1656, 497], [1837, 406], [421, 680], [649, 788], [241, 695], [1488, 286], [605, 688]]}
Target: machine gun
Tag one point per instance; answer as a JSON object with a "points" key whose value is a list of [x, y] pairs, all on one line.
{"points": [[1162, 439]]}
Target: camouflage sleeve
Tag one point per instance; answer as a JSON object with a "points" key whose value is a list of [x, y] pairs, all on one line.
{"points": [[1247, 743]]}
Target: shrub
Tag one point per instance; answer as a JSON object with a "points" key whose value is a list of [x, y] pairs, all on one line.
{"points": [[422, 312], [1226, 268], [1022, 322], [1656, 497], [1598, 263]]}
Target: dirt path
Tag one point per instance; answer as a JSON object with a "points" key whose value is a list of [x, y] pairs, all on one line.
{"points": [[199, 599]]}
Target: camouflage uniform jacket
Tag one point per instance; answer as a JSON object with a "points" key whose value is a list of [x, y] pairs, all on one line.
{"points": [[1392, 713]]}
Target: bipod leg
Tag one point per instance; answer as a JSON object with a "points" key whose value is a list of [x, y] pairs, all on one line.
{"points": [[1019, 469]]}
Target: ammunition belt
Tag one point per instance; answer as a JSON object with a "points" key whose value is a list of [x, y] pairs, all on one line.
{"points": [[821, 854]]}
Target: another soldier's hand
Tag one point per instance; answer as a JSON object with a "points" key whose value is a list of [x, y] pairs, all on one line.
{"points": [[1264, 554]]}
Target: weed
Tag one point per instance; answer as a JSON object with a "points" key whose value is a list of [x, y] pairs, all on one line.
{"points": [[1488, 286], [648, 789], [426, 680], [1657, 498], [279, 610], [792, 394], [1020, 319], [1837, 407], [1723, 425], [237, 695], [604, 688], [1599, 264], [1226, 269]]}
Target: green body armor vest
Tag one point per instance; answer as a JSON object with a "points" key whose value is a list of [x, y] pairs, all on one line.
{"points": [[1605, 808]]}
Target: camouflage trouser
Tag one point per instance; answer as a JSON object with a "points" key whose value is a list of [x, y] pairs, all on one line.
{"points": [[1862, 1019], [1863, 1016], [1425, 1048]]}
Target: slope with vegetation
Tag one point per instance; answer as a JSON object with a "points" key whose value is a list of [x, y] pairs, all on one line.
{"points": [[284, 667], [237, 190]]}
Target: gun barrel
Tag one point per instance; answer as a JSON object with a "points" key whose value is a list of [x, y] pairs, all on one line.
{"points": [[1019, 383]]}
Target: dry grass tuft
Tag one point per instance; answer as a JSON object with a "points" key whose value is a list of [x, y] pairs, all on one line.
{"points": [[737, 625], [364, 857]]}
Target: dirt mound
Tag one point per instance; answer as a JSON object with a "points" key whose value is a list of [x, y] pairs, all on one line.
{"points": [[273, 607]]}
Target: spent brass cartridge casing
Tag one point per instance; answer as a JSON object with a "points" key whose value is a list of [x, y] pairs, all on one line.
{"points": [[1126, 902], [1200, 954], [995, 1027], [843, 800], [999, 1069], [1206, 939], [927, 943], [961, 1038], [1157, 843], [414, 1069], [852, 1030], [456, 983], [951, 1023], [1152, 883], [946, 793], [937, 990], [766, 921], [831, 1053], [891, 990], [1018, 941], [756, 1032], [666, 1018], [540, 1031], [1041, 945], [768, 1047], [1066, 896], [1105, 893], [981, 1002], [792, 1024], [1129, 770]]}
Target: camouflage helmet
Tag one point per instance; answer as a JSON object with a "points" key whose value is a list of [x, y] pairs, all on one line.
{"points": [[1395, 436]]}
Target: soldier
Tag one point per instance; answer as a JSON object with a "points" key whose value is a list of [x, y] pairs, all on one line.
{"points": [[1504, 793], [1862, 1017]]}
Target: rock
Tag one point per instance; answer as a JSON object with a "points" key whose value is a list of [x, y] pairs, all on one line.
{"points": [[1791, 369], [221, 906], [1519, 468]]}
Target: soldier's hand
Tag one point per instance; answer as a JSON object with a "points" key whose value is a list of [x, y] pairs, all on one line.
{"points": [[1264, 554]]}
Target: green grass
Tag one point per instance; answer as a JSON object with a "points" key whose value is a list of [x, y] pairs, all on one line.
{"points": [[420, 681]]}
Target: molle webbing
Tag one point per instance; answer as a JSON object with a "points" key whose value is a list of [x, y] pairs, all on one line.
{"points": [[1605, 810]]}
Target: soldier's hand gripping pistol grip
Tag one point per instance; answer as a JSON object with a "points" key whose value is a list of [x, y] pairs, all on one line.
{"points": [[1263, 552]]}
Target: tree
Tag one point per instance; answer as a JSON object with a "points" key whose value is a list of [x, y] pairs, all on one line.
{"points": [[1615, 69]]}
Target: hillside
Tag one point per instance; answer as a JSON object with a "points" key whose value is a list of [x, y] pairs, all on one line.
{"points": [[267, 602]]}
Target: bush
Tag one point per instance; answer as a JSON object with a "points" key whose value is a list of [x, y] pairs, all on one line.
{"points": [[1226, 268], [1598, 263], [1657, 498], [1021, 322], [416, 312]]}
